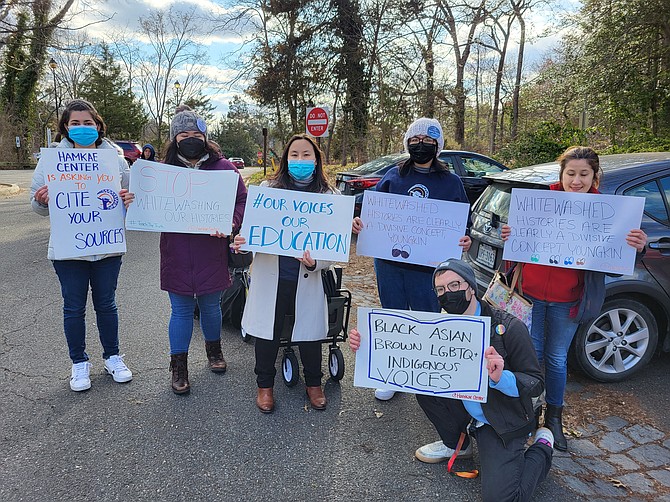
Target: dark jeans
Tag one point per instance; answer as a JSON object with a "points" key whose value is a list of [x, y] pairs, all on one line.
{"points": [[405, 288], [509, 471], [75, 277], [266, 350]]}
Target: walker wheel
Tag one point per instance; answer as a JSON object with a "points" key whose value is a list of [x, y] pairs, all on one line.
{"points": [[336, 364], [289, 368]]}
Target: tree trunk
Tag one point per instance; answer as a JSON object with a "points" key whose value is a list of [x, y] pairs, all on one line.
{"points": [[517, 80]]}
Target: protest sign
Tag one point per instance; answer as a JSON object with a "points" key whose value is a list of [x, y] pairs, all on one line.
{"points": [[85, 209], [177, 199], [573, 230], [411, 229], [423, 353], [289, 222]]}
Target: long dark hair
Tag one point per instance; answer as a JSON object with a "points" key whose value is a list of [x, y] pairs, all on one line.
{"points": [[171, 154], [81, 105], [282, 179], [404, 168]]}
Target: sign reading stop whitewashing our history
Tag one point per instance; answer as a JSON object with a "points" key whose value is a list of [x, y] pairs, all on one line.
{"points": [[423, 353], [290, 222], [411, 229], [85, 210], [573, 230], [176, 199]]}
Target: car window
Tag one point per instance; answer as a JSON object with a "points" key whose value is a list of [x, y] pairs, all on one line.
{"points": [[495, 200], [449, 161], [478, 167], [656, 194], [377, 164]]}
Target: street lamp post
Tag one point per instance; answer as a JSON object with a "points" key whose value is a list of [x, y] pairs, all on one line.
{"points": [[177, 86], [53, 65]]}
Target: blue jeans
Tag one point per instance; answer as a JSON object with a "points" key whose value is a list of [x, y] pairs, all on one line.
{"points": [[75, 276], [180, 328], [552, 332], [405, 288]]}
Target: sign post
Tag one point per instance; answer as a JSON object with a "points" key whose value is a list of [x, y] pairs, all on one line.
{"points": [[316, 121]]}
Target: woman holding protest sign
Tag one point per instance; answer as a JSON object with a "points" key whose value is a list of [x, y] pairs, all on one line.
{"points": [[563, 297], [289, 287], [194, 267], [80, 126], [407, 286]]}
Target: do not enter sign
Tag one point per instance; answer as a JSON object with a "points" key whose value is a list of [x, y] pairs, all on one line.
{"points": [[317, 121]]}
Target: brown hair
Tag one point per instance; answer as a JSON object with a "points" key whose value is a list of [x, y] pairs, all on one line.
{"points": [[581, 153], [81, 105], [282, 179]]}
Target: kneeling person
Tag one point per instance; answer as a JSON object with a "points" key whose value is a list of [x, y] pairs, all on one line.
{"points": [[503, 424]]}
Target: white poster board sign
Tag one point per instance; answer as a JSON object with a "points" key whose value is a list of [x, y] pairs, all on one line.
{"points": [[289, 222], [85, 209], [177, 199], [573, 230], [411, 229], [423, 353]]}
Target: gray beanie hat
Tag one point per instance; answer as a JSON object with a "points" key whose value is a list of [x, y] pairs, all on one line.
{"points": [[185, 121], [426, 127], [461, 268]]}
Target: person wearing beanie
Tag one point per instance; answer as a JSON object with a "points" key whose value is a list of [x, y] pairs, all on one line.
{"points": [[502, 425], [148, 152], [81, 126], [407, 286], [285, 282], [194, 267]]}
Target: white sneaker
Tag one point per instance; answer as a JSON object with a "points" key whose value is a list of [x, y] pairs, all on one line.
{"points": [[118, 369], [383, 394], [80, 376], [546, 434], [437, 452]]}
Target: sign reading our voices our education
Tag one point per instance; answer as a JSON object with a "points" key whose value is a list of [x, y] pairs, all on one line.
{"points": [[423, 353], [85, 209], [177, 199], [573, 230], [290, 222]]}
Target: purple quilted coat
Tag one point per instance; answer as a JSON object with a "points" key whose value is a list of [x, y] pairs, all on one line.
{"points": [[197, 264]]}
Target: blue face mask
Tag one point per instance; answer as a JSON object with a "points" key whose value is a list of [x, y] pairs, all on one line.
{"points": [[301, 169], [83, 135]]}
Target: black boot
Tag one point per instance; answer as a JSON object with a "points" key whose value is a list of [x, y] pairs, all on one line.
{"points": [[553, 421], [215, 357], [179, 369]]}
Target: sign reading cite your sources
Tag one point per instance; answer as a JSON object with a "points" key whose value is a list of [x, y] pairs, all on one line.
{"points": [[289, 222], [177, 199], [573, 230], [423, 353], [411, 229], [85, 209]]}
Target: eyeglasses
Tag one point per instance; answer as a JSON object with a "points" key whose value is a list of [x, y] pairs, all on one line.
{"points": [[415, 140], [452, 286]]}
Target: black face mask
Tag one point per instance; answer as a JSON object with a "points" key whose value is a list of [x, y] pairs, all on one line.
{"points": [[191, 148], [421, 154], [454, 302]]}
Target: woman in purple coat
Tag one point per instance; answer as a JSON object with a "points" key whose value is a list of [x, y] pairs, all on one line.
{"points": [[194, 267]]}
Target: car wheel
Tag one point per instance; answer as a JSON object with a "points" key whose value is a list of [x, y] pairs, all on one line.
{"points": [[618, 343]]}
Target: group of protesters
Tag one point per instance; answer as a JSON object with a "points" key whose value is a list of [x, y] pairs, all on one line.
{"points": [[522, 367]]}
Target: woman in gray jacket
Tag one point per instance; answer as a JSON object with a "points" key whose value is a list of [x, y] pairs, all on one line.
{"points": [[81, 126]]}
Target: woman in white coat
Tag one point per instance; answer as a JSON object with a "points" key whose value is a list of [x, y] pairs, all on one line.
{"points": [[289, 286]]}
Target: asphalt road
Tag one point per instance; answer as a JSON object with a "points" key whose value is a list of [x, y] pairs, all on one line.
{"points": [[139, 441]]}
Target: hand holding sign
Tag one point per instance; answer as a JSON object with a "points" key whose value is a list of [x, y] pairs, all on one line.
{"points": [[494, 364]]}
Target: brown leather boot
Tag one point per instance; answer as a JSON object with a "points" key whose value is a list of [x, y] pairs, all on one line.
{"points": [[264, 400], [179, 369], [215, 357], [316, 397]]}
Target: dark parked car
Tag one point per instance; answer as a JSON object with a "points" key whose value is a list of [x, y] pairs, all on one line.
{"points": [[634, 319], [131, 150], [471, 167]]}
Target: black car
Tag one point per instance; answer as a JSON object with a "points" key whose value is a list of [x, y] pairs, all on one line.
{"points": [[470, 166], [634, 320]]}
